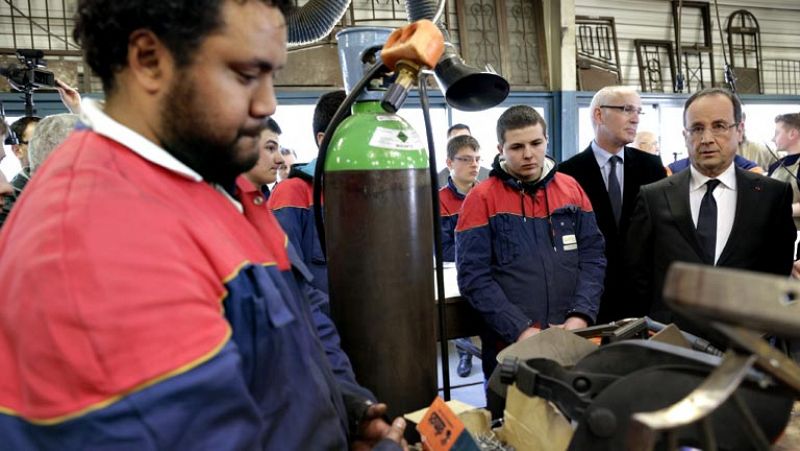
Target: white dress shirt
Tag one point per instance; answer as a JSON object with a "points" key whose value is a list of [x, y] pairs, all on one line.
{"points": [[724, 194], [603, 158]]}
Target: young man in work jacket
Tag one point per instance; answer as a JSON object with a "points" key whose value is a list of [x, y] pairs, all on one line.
{"points": [[292, 204], [463, 162], [528, 250], [292, 199]]}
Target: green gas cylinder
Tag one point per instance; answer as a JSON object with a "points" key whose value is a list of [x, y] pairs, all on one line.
{"points": [[378, 224]]}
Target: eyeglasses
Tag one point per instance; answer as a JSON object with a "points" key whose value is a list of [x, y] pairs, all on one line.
{"points": [[627, 109], [468, 160], [717, 129]]}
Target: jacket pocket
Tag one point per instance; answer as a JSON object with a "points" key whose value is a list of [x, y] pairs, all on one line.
{"points": [[564, 226], [317, 256], [505, 242], [262, 321]]}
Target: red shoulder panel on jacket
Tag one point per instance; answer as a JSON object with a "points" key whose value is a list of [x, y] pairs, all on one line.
{"points": [[294, 192]]}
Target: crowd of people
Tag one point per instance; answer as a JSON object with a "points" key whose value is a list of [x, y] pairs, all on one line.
{"points": [[163, 281], [589, 240]]}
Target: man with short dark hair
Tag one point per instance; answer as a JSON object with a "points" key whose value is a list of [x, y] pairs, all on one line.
{"points": [[714, 213], [292, 199], [171, 316], [265, 172], [325, 109], [458, 130], [528, 250], [6, 190], [463, 161], [22, 129], [452, 132]]}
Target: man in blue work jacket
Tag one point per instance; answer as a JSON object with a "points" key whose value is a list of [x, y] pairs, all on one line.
{"points": [[528, 250]]}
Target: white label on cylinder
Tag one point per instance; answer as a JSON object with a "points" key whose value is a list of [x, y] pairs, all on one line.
{"points": [[388, 138]]}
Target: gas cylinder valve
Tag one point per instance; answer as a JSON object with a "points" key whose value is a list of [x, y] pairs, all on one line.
{"points": [[396, 94], [409, 50]]}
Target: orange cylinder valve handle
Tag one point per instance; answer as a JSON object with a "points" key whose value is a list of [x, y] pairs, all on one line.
{"points": [[420, 43]]}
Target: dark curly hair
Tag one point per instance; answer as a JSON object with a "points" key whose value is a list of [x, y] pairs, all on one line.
{"points": [[102, 28]]}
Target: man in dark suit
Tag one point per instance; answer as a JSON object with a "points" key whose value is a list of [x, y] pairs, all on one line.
{"points": [[714, 213], [615, 114]]}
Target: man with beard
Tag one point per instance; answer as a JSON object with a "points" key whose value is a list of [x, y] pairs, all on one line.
{"points": [[528, 250], [149, 301]]}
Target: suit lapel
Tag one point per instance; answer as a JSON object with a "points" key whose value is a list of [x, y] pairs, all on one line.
{"points": [[745, 190], [678, 202]]}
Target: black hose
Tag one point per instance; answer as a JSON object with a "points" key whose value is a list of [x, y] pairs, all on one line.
{"points": [[426, 9], [421, 9], [679, 82], [437, 235], [697, 343], [314, 20], [340, 115]]}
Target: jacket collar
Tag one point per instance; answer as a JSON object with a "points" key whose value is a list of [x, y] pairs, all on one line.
{"points": [[452, 187], [303, 171], [93, 116]]}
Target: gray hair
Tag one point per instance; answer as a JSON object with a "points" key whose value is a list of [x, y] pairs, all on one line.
{"points": [[607, 94], [50, 132]]}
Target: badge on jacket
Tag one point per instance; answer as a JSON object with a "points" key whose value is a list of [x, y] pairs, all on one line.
{"points": [[570, 242]]}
